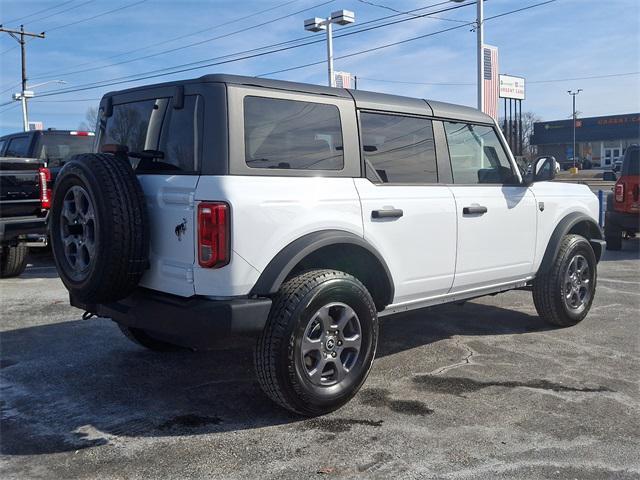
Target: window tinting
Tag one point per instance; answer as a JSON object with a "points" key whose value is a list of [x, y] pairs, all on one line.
{"points": [[477, 155], [155, 125], [57, 149], [18, 147], [292, 135], [398, 149], [631, 162]]}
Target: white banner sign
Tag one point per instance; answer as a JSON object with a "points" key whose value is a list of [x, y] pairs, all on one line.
{"points": [[511, 87]]}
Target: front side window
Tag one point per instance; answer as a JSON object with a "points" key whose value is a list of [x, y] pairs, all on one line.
{"points": [[290, 134], [477, 156], [398, 149], [18, 147]]}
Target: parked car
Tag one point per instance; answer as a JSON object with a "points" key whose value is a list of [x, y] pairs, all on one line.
{"points": [[29, 162], [622, 218], [52, 147], [617, 164], [230, 205], [22, 211]]}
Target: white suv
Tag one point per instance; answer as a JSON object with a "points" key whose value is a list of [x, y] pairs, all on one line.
{"points": [[230, 205]]}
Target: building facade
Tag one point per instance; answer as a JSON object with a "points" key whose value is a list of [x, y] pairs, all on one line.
{"points": [[602, 140]]}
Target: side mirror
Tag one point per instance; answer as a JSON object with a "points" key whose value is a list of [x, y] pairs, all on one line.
{"points": [[544, 169]]}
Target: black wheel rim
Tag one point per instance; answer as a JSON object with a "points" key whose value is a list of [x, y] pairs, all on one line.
{"points": [[331, 344], [577, 284], [78, 230]]}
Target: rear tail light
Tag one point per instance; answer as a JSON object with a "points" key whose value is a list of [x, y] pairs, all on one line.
{"points": [[82, 134], [620, 192], [213, 234], [44, 176]]}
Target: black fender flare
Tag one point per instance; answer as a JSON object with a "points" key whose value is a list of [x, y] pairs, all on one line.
{"points": [[565, 225], [286, 260]]}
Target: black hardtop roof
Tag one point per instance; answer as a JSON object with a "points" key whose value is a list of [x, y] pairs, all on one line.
{"points": [[362, 98]]}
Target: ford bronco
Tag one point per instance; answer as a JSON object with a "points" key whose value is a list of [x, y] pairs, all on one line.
{"points": [[230, 205]]}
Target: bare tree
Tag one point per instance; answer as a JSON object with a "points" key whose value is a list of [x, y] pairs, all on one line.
{"points": [[91, 119], [528, 119]]}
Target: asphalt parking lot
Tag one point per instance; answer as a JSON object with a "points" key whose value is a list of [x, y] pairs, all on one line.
{"points": [[482, 391]]}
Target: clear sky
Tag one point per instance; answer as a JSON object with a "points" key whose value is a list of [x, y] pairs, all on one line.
{"points": [[560, 40]]}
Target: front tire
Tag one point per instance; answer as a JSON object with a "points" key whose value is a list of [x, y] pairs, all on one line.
{"points": [[13, 260], [563, 295], [319, 342]]}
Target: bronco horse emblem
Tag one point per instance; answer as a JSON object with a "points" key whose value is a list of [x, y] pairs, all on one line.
{"points": [[181, 229]]}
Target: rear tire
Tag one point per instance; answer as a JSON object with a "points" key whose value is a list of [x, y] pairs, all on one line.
{"points": [[613, 238], [99, 228], [319, 342], [13, 260], [563, 295], [144, 339]]}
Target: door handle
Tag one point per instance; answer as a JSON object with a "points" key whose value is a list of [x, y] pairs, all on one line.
{"points": [[387, 213], [474, 209]]}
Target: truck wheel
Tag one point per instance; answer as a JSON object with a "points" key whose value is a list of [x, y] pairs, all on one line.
{"points": [[144, 339], [99, 228], [564, 294], [319, 342], [13, 261]]}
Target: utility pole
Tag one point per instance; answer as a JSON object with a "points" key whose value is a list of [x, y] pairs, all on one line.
{"points": [[19, 35], [573, 115]]}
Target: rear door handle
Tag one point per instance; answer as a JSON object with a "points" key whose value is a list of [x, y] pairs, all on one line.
{"points": [[387, 213], [474, 209]]}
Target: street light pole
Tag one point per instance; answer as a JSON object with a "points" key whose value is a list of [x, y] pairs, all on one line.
{"points": [[573, 96], [332, 80], [480, 53], [341, 17], [19, 35]]}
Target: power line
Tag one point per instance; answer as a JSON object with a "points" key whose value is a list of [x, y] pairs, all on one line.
{"points": [[138, 77], [247, 54], [200, 42], [426, 15], [529, 82], [169, 40], [391, 9], [96, 16], [73, 7], [38, 12]]}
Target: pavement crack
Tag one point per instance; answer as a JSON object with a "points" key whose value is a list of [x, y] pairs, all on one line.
{"points": [[465, 361]]}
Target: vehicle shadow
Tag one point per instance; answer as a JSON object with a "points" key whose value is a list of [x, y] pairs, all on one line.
{"points": [[79, 384]]}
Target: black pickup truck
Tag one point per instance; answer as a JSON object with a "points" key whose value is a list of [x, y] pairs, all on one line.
{"points": [[28, 163]]}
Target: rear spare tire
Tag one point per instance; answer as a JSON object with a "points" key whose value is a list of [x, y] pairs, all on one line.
{"points": [[99, 228]]}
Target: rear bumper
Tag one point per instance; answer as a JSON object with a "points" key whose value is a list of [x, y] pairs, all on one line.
{"points": [[629, 222], [13, 229], [193, 322]]}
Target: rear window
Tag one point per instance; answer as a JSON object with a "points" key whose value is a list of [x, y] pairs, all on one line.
{"points": [[631, 164], [18, 147], [58, 148], [158, 137], [290, 134]]}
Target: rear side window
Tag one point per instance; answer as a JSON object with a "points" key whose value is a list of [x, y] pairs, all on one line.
{"points": [[477, 156], [398, 149], [631, 163], [158, 137], [291, 134], [2, 144], [18, 147]]}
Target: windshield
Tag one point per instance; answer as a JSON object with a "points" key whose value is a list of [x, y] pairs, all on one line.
{"points": [[57, 149]]}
